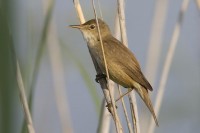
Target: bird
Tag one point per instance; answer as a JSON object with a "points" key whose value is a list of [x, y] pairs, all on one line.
{"points": [[123, 67]]}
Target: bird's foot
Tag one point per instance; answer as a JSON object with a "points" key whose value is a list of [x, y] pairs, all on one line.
{"points": [[109, 105], [99, 76]]}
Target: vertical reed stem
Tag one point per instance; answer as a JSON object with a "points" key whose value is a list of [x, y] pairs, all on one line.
{"points": [[167, 64]]}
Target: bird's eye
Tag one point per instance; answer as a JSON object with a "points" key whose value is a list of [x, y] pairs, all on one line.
{"points": [[92, 26]]}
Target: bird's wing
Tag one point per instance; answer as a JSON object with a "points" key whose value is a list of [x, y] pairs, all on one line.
{"points": [[128, 62]]}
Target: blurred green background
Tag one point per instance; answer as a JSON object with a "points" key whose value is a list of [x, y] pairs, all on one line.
{"points": [[25, 34]]}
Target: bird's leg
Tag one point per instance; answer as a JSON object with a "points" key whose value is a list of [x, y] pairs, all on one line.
{"points": [[129, 90], [100, 76], [109, 104]]}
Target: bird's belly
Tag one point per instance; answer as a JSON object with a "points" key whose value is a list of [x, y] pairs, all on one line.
{"points": [[119, 76], [116, 73]]}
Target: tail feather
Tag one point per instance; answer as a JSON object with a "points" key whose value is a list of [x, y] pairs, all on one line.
{"points": [[145, 97]]}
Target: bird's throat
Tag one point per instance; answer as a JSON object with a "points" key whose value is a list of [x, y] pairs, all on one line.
{"points": [[91, 39]]}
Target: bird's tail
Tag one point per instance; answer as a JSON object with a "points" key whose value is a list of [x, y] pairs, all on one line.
{"points": [[145, 97]]}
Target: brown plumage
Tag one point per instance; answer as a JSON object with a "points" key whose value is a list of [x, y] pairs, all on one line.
{"points": [[123, 67]]}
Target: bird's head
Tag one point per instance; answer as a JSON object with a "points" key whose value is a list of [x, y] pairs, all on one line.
{"points": [[90, 30]]}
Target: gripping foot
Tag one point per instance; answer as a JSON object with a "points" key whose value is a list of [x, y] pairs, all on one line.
{"points": [[109, 105], [99, 76]]}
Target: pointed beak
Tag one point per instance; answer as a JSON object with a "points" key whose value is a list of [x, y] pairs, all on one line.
{"points": [[75, 26]]}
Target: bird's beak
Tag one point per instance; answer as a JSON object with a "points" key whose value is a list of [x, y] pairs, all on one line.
{"points": [[75, 26]]}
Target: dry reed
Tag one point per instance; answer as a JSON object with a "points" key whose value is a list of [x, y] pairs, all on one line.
{"points": [[167, 64], [102, 81], [24, 101], [133, 105]]}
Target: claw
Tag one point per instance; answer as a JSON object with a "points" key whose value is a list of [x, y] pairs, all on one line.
{"points": [[99, 76], [109, 105]]}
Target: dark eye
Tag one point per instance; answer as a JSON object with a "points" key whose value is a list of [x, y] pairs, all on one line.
{"points": [[92, 26]]}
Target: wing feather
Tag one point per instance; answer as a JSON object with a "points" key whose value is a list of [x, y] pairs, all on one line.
{"points": [[128, 63]]}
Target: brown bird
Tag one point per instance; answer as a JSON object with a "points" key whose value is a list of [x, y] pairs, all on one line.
{"points": [[123, 67]]}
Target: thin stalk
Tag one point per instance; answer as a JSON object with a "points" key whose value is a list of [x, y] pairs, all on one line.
{"points": [[167, 64], [101, 81], [79, 11], [134, 110], [125, 111], [102, 128], [117, 121], [122, 21], [99, 7], [104, 122], [24, 101], [117, 35]]}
